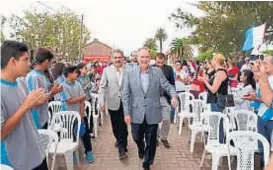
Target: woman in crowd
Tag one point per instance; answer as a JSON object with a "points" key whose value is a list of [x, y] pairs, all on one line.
{"points": [[217, 85], [87, 86], [233, 72], [248, 86]]}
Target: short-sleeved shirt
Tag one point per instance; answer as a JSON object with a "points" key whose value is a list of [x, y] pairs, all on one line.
{"points": [[58, 81], [263, 107], [36, 79], [71, 90], [86, 85], [22, 145]]}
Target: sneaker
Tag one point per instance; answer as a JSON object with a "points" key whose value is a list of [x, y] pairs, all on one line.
{"points": [[89, 157], [166, 143]]}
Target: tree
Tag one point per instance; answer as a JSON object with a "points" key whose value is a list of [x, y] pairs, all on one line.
{"points": [[205, 55], [224, 24], [151, 44], [60, 32], [161, 36], [181, 49], [3, 22]]}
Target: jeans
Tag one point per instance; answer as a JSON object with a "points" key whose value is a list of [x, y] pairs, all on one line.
{"points": [[216, 108]]}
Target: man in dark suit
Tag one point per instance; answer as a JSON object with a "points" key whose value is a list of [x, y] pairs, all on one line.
{"points": [[165, 99]]}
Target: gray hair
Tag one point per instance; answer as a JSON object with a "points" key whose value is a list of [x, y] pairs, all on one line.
{"points": [[271, 57], [118, 51], [143, 48]]}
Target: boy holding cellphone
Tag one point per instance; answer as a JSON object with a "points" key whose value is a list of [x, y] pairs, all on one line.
{"points": [[73, 98], [19, 138]]}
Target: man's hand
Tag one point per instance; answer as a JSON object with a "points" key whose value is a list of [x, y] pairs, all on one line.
{"points": [[102, 108], [127, 119], [34, 98], [174, 102]]}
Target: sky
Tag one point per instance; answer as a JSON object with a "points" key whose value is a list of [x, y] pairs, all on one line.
{"points": [[123, 24]]}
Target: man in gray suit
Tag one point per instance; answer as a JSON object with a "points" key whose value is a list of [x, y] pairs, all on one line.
{"points": [[110, 92], [141, 102]]}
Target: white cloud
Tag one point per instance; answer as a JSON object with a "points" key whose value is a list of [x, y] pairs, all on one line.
{"points": [[122, 24]]}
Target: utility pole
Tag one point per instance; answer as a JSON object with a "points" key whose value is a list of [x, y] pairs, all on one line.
{"points": [[80, 44]]}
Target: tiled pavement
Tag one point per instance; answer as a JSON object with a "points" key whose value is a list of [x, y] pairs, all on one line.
{"points": [[177, 157]]}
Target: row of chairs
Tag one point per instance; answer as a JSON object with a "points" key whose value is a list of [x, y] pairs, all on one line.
{"points": [[239, 126]]}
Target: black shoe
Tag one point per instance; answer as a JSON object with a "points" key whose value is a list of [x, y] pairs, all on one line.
{"points": [[126, 150], [146, 168], [157, 143], [166, 143], [116, 144], [122, 155], [140, 154]]}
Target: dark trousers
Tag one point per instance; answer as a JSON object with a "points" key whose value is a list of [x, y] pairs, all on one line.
{"points": [[216, 108], [42, 166], [91, 126], [86, 139], [149, 131], [119, 128]]}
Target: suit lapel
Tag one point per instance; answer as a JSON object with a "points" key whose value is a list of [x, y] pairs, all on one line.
{"points": [[113, 70], [138, 81], [150, 79]]}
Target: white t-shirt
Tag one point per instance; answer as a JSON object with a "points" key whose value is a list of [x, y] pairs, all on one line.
{"points": [[263, 107], [180, 86], [245, 67]]}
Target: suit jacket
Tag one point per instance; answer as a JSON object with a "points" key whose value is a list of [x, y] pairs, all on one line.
{"points": [[168, 72], [110, 91], [137, 103]]}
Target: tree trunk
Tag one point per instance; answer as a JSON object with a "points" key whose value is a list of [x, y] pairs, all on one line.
{"points": [[160, 45]]}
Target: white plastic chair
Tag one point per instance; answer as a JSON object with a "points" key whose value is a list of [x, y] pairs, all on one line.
{"points": [[184, 112], [246, 120], [96, 106], [95, 117], [197, 126], [213, 145], [49, 139], [55, 107], [67, 146], [203, 96], [245, 144], [5, 167]]}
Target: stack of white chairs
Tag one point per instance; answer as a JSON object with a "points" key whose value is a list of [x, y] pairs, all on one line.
{"points": [[213, 146], [49, 139], [245, 144], [184, 112], [198, 125], [246, 120], [96, 106], [203, 96], [54, 107], [67, 144], [90, 109]]}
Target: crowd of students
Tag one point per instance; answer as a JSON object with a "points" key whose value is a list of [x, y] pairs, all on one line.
{"points": [[25, 95]]}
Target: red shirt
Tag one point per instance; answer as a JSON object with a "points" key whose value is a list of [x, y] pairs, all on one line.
{"points": [[233, 71]]}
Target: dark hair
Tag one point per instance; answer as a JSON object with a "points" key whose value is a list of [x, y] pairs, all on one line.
{"points": [[80, 66], [184, 63], [69, 69], [42, 55], [249, 78], [58, 69], [160, 56], [11, 49], [118, 51]]}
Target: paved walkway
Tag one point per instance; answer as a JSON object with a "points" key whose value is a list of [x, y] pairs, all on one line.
{"points": [[177, 157]]}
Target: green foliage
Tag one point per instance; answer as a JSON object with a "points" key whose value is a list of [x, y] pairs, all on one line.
{"points": [[205, 55], [268, 52], [60, 32], [224, 24], [180, 49], [153, 53], [3, 22], [161, 36], [151, 44]]}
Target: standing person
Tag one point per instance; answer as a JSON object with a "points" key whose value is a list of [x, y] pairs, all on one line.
{"points": [[36, 79], [180, 77], [141, 102], [20, 142], [85, 82], [110, 93], [217, 85], [247, 65], [165, 99], [233, 73], [73, 98]]}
